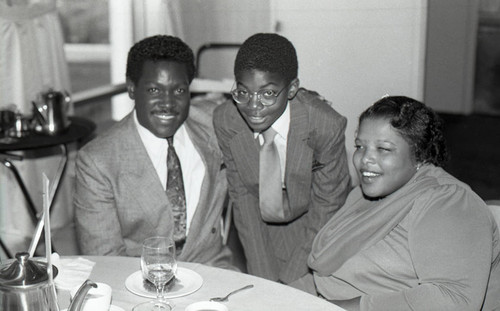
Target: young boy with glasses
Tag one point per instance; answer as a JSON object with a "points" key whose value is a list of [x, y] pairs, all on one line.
{"points": [[285, 155]]}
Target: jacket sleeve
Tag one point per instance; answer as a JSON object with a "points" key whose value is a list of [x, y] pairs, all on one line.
{"points": [[330, 181], [96, 220]]}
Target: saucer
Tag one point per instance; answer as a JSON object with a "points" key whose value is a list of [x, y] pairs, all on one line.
{"points": [[206, 305], [111, 308], [187, 282]]}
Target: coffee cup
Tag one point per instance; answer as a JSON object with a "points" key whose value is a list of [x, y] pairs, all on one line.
{"points": [[97, 299]]}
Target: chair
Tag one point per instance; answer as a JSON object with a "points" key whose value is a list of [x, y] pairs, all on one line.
{"points": [[494, 206]]}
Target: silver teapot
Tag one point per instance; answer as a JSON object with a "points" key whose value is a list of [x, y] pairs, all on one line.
{"points": [[25, 286], [51, 111]]}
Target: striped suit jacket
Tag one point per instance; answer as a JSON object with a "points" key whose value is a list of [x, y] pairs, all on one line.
{"points": [[316, 177]]}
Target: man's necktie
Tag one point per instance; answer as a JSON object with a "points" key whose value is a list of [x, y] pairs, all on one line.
{"points": [[176, 195], [270, 189]]}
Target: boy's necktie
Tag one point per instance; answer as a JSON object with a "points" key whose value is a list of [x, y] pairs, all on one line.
{"points": [[270, 189], [176, 195]]}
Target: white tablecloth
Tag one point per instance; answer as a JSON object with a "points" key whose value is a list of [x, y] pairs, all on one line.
{"points": [[265, 295]]}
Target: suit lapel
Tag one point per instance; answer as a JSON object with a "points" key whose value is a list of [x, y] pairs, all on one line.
{"points": [[140, 175], [299, 154], [245, 152], [206, 145]]}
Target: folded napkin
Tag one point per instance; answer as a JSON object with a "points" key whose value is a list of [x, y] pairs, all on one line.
{"points": [[72, 272]]}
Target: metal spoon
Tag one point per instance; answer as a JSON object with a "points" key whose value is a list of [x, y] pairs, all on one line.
{"points": [[220, 299]]}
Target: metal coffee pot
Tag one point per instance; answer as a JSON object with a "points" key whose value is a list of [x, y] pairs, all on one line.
{"points": [[25, 286], [51, 111]]}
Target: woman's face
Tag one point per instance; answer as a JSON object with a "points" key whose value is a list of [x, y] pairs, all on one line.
{"points": [[383, 160]]}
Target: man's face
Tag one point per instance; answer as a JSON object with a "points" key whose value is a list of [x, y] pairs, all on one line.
{"points": [[257, 116], [161, 97]]}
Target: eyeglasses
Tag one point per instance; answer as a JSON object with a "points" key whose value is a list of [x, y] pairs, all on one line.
{"points": [[266, 97]]}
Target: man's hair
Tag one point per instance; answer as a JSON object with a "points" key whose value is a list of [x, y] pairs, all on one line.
{"points": [[267, 52], [159, 48]]}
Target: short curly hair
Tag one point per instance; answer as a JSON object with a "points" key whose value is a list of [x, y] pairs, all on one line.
{"points": [[268, 52], [418, 124], [159, 48]]}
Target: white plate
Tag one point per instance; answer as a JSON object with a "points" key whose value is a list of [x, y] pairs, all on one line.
{"points": [[188, 282], [111, 308]]}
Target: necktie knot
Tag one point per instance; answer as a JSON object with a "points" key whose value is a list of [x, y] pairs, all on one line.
{"points": [[170, 141], [268, 136]]}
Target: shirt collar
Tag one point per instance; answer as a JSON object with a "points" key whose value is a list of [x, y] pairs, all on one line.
{"points": [[282, 124], [151, 139]]}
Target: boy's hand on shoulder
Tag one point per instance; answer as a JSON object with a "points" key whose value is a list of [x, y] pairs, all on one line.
{"points": [[308, 94]]}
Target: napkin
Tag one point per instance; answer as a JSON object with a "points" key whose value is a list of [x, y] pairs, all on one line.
{"points": [[72, 271]]}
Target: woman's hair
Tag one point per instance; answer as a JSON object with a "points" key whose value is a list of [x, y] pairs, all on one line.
{"points": [[159, 48], [268, 52], [418, 124]]}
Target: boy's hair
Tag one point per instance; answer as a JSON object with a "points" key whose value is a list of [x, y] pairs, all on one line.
{"points": [[267, 52], [159, 48]]}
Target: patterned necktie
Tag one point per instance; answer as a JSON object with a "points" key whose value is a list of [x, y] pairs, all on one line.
{"points": [[176, 195], [270, 189]]}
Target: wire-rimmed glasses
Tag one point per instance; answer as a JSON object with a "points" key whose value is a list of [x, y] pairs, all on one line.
{"points": [[267, 97]]}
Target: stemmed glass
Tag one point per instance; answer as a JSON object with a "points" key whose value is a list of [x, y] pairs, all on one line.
{"points": [[158, 265]]}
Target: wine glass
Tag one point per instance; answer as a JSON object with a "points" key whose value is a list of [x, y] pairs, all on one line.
{"points": [[158, 265]]}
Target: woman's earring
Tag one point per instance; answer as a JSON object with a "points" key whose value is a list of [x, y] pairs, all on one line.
{"points": [[418, 166]]}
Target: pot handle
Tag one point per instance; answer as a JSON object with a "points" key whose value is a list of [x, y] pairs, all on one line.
{"points": [[77, 301]]}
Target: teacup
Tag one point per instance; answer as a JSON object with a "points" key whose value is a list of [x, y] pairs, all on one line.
{"points": [[97, 299], [206, 306]]}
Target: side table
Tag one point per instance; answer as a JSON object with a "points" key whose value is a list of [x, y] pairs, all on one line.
{"points": [[78, 129]]}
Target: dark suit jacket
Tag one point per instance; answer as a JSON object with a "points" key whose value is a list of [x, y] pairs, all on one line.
{"points": [[119, 200], [316, 177]]}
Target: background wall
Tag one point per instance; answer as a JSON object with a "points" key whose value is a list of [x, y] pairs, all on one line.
{"points": [[354, 52], [450, 59], [351, 52]]}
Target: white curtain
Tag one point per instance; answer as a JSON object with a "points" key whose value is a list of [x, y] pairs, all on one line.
{"points": [[31, 52], [31, 60]]}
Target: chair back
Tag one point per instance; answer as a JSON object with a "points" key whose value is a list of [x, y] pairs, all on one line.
{"points": [[494, 206]]}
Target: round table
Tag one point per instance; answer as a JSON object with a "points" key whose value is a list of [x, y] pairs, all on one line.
{"points": [[265, 295]]}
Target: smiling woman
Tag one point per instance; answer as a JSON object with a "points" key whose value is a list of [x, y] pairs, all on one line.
{"points": [[395, 137], [383, 159], [394, 244]]}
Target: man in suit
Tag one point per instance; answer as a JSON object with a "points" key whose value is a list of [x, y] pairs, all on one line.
{"points": [[123, 194], [312, 181]]}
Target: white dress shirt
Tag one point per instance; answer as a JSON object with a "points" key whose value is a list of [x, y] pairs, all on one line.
{"points": [[281, 126], [193, 169]]}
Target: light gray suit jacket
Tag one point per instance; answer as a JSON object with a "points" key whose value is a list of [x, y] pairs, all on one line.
{"points": [[119, 200], [316, 177]]}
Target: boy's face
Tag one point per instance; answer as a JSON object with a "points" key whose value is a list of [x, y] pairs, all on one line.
{"points": [[161, 97], [258, 116]]}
